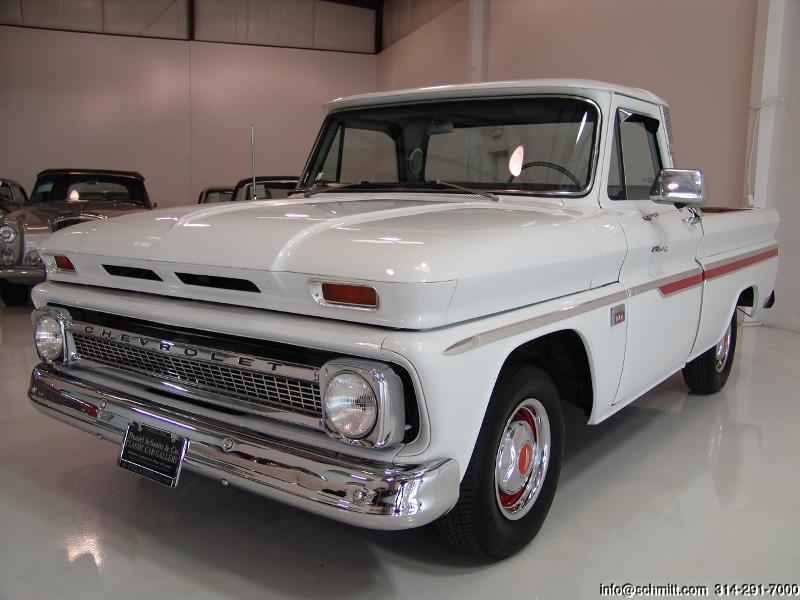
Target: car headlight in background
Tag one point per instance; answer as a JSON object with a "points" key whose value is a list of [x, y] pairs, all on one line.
{"points": [[32, 259], [8, 233], [362, 402], [7, 256], [48, 334]]}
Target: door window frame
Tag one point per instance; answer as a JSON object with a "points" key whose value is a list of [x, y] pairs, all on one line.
{"points": [[616, 144]]}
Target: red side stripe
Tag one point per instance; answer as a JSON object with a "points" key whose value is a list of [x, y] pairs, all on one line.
{"points": [[739, 264], [687, 282], [681, 284]]}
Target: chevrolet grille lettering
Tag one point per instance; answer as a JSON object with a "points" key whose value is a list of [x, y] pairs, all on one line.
{"points": [[200, 353]]}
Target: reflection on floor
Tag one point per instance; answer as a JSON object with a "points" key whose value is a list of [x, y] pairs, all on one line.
{"points": [[674, 489]]}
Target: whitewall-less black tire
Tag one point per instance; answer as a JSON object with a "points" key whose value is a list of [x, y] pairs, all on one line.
{"points": [[511, 479], [709, 372]]}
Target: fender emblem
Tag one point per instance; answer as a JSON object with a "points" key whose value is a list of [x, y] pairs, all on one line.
{"points": [[617, 314]]}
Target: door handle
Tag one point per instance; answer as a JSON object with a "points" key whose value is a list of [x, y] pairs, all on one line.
{"points": [[694, 217], [650, 216]]}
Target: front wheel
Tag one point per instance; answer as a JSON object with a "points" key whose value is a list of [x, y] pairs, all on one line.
{"points": [[709, 372], [511, 479], [12, 294]]}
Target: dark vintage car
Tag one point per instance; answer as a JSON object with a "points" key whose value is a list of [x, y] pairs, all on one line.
{"points": [[267, 188], [213, 195], [12, 196], [60, 198]]}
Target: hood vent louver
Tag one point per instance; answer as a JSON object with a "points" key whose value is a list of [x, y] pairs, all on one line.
{"points": [[222, 283], [132, 272]]}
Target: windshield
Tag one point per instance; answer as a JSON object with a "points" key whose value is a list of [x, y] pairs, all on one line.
{"points": [[89, 187], [530, 145]]}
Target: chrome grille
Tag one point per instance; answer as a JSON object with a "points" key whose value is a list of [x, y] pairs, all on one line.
{"points": [[63, 222], [252, 387]]}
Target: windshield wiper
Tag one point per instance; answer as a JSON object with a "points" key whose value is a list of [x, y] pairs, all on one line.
{"points": [[485, 194], [326, 187]]}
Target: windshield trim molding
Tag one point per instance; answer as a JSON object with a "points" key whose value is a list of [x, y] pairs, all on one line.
{"points": [[587, 190]]}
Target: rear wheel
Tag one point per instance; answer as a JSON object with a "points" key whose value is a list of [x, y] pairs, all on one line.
{"points": [[12, 294], [709, 372], [511, 479]]}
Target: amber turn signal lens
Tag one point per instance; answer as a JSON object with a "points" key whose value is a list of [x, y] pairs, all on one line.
{"points": [[64, 264], [353, 295]]}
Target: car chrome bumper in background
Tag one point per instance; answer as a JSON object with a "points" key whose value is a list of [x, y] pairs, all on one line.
{"points": [[22, 275], [376, 495]]}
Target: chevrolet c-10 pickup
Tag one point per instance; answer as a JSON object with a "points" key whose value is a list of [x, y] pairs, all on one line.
{"points": [[392, 345]]}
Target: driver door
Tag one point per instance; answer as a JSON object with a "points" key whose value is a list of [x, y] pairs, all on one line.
{"points": [[660, 269]]}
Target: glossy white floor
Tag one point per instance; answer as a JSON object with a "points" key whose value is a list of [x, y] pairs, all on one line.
{"points": [[676, 488]]}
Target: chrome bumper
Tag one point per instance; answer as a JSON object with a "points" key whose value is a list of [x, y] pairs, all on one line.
{"points": [[375, 495], [23, 275]]}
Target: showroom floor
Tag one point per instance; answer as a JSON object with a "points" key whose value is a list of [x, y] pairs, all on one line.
{"points": [[674, 489]]}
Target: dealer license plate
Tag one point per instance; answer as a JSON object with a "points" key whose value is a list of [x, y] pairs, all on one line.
{"points": [[152, 453]]}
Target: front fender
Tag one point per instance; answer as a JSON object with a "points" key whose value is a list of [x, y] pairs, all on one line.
{"points": [[458, 366]]}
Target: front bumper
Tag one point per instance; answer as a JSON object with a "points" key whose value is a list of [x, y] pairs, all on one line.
{"points": [[375, 495], [23, 275]]}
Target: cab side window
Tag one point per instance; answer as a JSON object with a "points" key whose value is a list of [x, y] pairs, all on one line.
{"points": [[635, 158]]}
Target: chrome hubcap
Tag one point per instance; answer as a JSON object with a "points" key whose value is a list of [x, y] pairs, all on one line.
{"points": [[522, 459], [723, 350]]}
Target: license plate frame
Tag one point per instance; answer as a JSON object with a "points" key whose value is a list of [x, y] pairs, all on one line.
{"points": [[153, 453]]}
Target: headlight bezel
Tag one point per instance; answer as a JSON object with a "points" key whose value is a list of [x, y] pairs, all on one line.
{"points": [[387, 389], [62, 323]]}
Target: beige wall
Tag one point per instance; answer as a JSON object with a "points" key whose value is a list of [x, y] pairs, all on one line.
{"points": [[178, 112], [279, 90], [401, 17], [434, 54], [85, 100]]}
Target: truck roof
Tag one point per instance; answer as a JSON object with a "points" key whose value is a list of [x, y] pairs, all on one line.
{"points": [[134, 174], [490, 89]]}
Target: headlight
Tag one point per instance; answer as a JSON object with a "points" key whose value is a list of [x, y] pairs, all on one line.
{"points": [[363, 403], [32, 259], [49, 336], [350, 405], [8, 233], [7, 256]]}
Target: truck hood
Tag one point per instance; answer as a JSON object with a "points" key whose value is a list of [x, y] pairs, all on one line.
{"points": [[476, 257]]}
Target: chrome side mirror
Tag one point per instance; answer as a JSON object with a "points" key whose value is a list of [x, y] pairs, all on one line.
{"points": [[685, 187]]}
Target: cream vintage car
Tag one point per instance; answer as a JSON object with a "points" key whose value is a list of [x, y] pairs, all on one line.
{"points": [[393, 345]]}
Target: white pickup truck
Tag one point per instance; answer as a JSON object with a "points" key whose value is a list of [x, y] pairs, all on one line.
{"points": [[392, 345]]}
